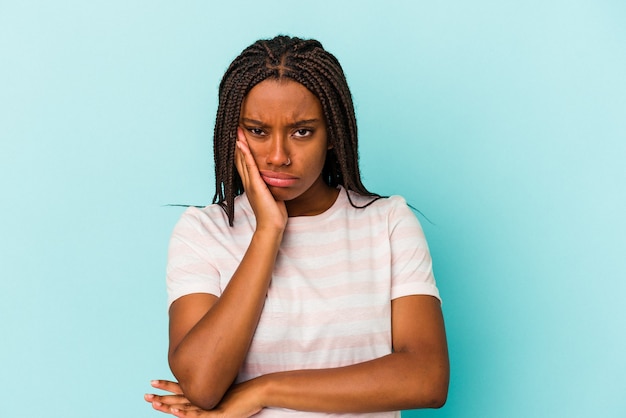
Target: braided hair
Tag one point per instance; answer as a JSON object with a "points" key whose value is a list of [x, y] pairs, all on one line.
{"points": [[308, 63]]}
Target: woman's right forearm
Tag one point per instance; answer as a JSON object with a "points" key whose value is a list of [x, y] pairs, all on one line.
{"points": [[207, 359]]}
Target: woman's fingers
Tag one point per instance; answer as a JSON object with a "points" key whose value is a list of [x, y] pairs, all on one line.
{"points": [[239, 159], [161, 407], [175, 401], [167, 386], [245, 161], [167, 399], [196, 413], [170, 404]]}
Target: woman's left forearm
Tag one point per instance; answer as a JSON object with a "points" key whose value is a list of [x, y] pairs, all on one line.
{"points": [[402, 380]]}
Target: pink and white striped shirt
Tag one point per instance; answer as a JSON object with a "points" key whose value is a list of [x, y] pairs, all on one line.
{"points": [[329, 301]]}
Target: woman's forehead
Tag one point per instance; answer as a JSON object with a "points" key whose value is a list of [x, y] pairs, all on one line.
{"points": [[286, 98]]}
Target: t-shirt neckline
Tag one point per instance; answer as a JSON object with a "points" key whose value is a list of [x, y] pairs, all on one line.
{"points": [[308, 219]]}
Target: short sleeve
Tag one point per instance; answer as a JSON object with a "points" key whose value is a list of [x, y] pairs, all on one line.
{"points": [[189, 267], [411, 264]]}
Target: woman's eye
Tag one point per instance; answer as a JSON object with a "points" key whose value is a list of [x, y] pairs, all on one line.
{"points": [[256, 131], [302, 133]]}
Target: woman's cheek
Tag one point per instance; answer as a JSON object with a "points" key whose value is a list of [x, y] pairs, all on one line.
{"points": [[256, 153]]}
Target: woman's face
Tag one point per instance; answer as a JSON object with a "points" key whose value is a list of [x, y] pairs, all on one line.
{"points": [[286, 132]]}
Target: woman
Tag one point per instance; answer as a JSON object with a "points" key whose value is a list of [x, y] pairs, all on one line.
{"points": [[298, 292]]}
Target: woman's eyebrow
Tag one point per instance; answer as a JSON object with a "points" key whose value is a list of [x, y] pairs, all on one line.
{"points": [[252, 121], [304, 122], [296, 124]]}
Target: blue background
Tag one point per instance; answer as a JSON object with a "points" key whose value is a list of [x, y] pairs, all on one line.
{"points": [[503, 122]]}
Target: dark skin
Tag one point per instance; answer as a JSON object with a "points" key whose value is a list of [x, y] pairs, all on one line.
{"points": [[280, 153]]}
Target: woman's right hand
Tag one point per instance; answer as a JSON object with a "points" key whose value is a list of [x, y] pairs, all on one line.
{"points": [[241, 401], [269, 212]]}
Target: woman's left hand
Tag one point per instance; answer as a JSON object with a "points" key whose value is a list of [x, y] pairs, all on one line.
{"points": [[239, 402], [171, 404]]}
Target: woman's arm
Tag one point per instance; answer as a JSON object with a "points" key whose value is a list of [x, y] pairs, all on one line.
{"points": [[210, 336], [415, 375]]}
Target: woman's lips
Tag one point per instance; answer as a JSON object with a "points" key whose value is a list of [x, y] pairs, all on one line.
{"points": [[272, 178]]}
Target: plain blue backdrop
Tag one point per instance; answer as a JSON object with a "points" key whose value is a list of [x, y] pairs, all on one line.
{"points": [[503, 122]]}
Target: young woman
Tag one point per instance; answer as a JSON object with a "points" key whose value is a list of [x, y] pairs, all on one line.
{"points": [[298, 293]]}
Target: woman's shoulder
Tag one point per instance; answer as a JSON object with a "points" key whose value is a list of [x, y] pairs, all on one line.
{"points": [[392, 210], [378, 203], [202, 214], [214, 215]]}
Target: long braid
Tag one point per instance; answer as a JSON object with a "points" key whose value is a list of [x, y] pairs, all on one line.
{"points": [[306, 62]]}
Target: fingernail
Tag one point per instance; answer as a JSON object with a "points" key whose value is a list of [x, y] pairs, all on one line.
{"points": [[154, 382], [157, 403]]}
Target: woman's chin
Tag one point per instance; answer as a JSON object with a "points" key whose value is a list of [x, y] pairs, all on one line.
{"points": [[283, 193]]}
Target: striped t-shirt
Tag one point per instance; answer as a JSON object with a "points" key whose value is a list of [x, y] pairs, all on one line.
{"points": [[329, 301]]}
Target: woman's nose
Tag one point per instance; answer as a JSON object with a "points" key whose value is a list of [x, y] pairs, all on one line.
{"points": [[278, 153]]}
